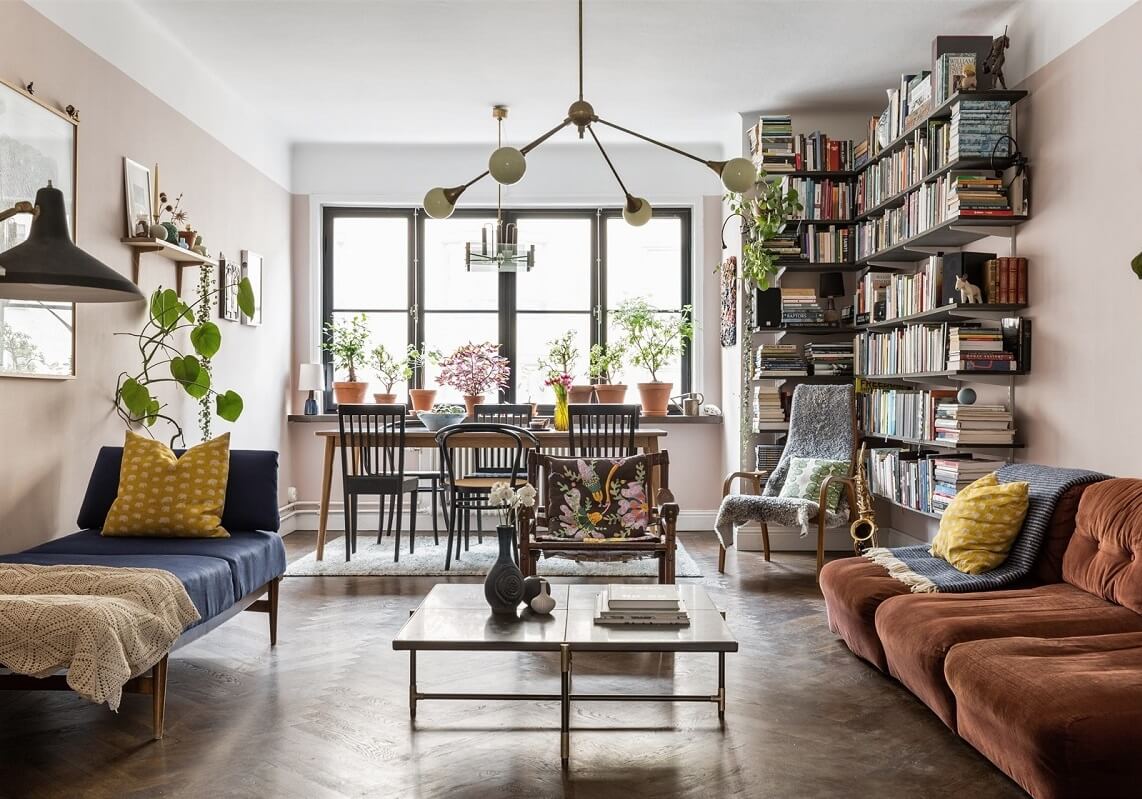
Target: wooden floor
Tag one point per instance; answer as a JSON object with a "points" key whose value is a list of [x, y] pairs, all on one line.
{"points": [[326, 713]]}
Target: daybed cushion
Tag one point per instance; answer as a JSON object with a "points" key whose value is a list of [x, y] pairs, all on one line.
{"points": [[1105, 553], [854, 589], [918, 630], [252, 558], [208, 580], [1060, 717]]}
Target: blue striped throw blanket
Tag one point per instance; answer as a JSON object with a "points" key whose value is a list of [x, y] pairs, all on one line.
{"points": [[916, 567]]}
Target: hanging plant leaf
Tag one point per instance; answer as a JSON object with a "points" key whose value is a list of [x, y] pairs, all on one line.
{"points": [[1136, 265], [246, 296], [166, 307], [206, 339], [152, 416], [135, 397], [229, 405], [185, 370], [201, 385]]}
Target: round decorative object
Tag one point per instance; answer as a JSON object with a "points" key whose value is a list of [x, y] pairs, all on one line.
{"points": [[503, 587], [531, 586], [641, 212], [738, 175], [437, 205], [966, 396], [544, 603], [158, 231], [172, 232], [507, 165]]}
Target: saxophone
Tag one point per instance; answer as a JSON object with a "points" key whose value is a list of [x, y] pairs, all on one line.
{"points": [[863, 530]]}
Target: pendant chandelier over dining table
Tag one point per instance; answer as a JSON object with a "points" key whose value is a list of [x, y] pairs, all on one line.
{"points": [[508, 164]]}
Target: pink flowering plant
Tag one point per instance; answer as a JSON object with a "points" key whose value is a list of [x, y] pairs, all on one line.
{"points": [[473, 369]]}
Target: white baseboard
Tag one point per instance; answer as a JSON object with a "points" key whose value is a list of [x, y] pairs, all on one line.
{"points": [[789, 539]]}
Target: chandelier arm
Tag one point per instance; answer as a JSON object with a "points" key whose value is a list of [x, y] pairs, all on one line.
{"points": [[607, 158], [663, 145], [527, 148]]}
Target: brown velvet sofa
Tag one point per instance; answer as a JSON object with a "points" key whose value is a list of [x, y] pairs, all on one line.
{"points": [[1045, 679]]}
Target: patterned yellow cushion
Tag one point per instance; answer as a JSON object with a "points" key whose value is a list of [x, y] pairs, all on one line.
{"points": [[980, 524], [164, 496]]}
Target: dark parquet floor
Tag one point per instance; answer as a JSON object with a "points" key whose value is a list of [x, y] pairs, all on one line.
{"points": [[325, 714]]}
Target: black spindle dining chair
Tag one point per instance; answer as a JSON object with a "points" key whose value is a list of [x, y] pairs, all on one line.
{"points": [[602, 430], [372, 464], [497, 462]]}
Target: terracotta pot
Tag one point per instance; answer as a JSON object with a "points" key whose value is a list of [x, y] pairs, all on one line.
{"points": [[471, 401], [615, 393], [385, 399], [655, 398], [422, 398], [350, 392], [579, 394]]}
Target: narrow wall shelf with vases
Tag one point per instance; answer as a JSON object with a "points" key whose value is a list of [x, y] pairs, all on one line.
{"points": [[182, 257]]}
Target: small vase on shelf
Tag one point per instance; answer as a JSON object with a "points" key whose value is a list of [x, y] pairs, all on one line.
{"points": [[503, 587]]}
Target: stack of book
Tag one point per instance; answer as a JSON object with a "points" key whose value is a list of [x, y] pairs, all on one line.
{"points": [[901, 476], [949, 74], [962, 425], [907, 350], [800, 307], [822, 199], [829, 244], [641, 604], [786, 245], [1005, 281], [830, 359], [780, 360], [862, 153], [771, 144], [972, 195], [871, 299], [904, 295], [818, 153], [979, 129], [768, 407], [919, 99], [949, 475], [895, 412], [891, 175], [972, 347]]}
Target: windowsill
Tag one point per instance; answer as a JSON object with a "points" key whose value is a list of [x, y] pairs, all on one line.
{"points": [[646, 421]]}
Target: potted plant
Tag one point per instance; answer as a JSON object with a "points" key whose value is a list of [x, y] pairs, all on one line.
{"points": [[422, 398], [472, 370], [654, 339], [764, 216], [389, 370], [346, 342], [440, 416], [606, 360], [560, 360]]}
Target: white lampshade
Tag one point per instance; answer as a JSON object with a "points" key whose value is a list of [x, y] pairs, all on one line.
{"points": [[437, 205], [310, 377], [641, 213], [507, 165], [738, 175]]}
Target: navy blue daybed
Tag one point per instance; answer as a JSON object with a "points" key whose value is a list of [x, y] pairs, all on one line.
{"points": [[223, 576]]}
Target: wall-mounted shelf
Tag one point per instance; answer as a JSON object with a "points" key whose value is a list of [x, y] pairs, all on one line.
{"points": [[823, 174], [951, 312], [809, 330], [950, 234], [181, 257], [941, 378], [959, 165], [916, 442], [896, 504]]}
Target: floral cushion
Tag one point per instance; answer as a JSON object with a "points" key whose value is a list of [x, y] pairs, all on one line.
{"points": [[806, 476], [598, 498]]}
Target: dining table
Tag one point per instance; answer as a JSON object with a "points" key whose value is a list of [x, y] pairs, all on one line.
{"points": [[646, 439]]}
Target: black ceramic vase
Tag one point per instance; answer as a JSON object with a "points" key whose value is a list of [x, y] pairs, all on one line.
{"points": [[503, 587]]}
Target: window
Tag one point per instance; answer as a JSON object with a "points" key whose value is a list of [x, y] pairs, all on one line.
{"points": [[406, 273]]}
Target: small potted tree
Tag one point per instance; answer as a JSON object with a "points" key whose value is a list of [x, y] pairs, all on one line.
{"points": [[422, 399], [606, 360], [560, 360], [389, 371], [473, 369], [654, 339], [346, 342]]}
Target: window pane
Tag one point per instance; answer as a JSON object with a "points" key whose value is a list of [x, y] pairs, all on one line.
{"points": [[447, 284], [561, 279], [446, 332], [631, 374], [390, 329], [36, 337], [645, 262], [533, 332], [370, 262]]}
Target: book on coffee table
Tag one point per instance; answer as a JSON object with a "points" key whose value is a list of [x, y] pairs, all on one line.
{"points": [[606, 613], [643, 597]]}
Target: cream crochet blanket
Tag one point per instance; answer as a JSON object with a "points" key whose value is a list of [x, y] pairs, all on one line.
{"points": [[104, 625]]}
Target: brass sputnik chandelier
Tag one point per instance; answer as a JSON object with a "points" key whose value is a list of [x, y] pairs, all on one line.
{"points": [[507, 164], [498, 249]]}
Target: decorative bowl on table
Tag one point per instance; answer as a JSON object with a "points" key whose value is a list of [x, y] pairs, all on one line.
{"points": [[539, 423], [442, 416]]}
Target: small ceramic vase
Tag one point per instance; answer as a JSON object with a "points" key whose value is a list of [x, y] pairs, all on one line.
{"points": [[531, 587], [544, 603]]}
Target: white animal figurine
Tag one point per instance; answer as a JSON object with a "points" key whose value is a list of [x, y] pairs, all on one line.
{"points": [[969, 292]]}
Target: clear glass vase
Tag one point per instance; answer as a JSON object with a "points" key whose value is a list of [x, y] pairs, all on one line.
{"points": [[562, 420]]}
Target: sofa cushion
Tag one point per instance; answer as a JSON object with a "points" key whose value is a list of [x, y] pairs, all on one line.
{"points": [[1104, 556], [979, 526], [1060, 717], [854, 589], [1048, 566], [918, 630], [598, 498]]}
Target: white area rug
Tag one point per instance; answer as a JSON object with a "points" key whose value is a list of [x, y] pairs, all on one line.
{"points": [[372, 559]]}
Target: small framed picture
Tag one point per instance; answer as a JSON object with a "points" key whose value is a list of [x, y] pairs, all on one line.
{"points": [[229, 273], [252, 269], [137, 182]]}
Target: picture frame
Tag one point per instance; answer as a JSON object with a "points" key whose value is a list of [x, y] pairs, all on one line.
{"points": [[38, 144], [137, 187], [252, 269], [229, 273]]}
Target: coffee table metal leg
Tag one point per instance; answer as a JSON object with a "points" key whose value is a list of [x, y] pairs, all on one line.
{"points": [[565, 703], [721, 685], [412, 684]]}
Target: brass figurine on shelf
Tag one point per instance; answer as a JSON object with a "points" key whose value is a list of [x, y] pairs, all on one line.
{"points": [[993, 64], [863, 530]]}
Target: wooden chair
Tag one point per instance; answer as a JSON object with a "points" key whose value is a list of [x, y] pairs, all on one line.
{"points": [[663, 521], [602, 430], [372, 464]]}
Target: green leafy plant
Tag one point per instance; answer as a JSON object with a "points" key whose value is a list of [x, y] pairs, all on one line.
{"points": [[561, 355], [653, 338], [1136, 265], [135, 399], [765, 213], [606, 361], [452, 409], [416, 358], [388, 368], [346, 342]]}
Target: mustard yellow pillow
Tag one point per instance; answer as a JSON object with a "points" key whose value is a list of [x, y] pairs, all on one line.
{"points": [[980, 525], [163, 496]]}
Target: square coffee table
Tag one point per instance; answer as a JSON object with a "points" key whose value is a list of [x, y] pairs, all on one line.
{"points": [[455, 618]]}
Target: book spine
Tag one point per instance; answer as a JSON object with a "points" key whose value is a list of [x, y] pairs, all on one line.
{"points": [[1021, 281]]}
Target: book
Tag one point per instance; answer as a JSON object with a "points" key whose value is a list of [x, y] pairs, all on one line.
{"points": [[604, 615], [643, 597]]}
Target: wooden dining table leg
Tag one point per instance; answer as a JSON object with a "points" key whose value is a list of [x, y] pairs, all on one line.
{"points": [[326, 486]]}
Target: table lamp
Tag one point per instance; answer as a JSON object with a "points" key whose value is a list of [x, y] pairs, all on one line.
{"points": [[832, 285], [311, 378]]}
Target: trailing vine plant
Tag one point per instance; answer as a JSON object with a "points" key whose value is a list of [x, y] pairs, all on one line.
{"points": [[201, 317], [765, 212]]}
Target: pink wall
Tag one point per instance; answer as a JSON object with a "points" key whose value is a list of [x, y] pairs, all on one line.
{"points": [[51, 430]]}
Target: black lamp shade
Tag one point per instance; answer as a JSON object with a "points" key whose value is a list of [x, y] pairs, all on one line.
{"points": [[48, 266], [832, 284]]}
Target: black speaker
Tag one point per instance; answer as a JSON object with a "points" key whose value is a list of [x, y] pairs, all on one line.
{"points": [[767, 308], [968, 264]]}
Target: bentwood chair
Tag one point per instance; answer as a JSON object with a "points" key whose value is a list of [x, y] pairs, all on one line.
{"points": [[469, 491], [496, 462], [372, 464], [602, 430]]}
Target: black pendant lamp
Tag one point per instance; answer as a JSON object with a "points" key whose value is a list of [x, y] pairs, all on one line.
{"points": [[48, 266]]}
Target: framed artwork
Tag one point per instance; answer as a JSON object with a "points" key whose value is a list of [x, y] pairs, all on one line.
{"points": [[252, 268], [229, 273], [37, 146], [729, 273], [137, 185]]}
